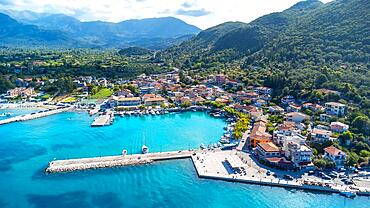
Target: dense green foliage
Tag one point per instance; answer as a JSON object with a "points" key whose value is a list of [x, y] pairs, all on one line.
{"points": [[81, 62]]}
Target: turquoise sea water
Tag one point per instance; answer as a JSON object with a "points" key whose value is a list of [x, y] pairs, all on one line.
{"points": [[27, 147], [15, 112]]}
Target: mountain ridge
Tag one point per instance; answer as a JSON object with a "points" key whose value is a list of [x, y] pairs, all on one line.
{"points": [[154, 33]]}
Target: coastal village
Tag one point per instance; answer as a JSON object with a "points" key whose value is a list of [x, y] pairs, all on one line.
{"points": [[290, 143]]}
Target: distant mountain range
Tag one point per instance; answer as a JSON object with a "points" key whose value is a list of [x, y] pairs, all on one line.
{"points": [[57, 30]]}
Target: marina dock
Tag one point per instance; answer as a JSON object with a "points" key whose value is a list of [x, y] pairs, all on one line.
{"points": [[114, 161], [31, 116], [103, 120]]}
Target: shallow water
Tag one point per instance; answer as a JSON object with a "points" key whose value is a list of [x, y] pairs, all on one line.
{"points": [[27, 147]]}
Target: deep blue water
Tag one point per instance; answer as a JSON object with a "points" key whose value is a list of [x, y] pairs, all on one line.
{"points": [[27, 147]]}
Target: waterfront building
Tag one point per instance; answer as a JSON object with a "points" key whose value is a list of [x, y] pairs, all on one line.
{"points": [[127, 101], [334, 108], [299, 154], [336, 155], [154, 101], [258, 134], [267, 150], [20, 92]]}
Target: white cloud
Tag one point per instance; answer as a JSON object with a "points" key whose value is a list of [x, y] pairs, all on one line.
{"points": [[202, 13]]}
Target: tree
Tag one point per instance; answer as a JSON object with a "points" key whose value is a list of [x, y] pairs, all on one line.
{"points": [[364, 153], [186, 104], [5, 84], [352, 159], [346, 136], [362, 124]]}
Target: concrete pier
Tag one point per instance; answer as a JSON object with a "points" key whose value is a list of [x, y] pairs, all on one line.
{"points": [[213, 165], [114, 161], [103, 120], [33, 115]]}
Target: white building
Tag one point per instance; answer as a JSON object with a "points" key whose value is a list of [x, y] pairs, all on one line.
{"points": [[321, 135], [299, 154], [296, 117], [334, 108]]}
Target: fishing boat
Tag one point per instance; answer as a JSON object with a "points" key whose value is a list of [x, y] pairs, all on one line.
{"points": [[144, 149], [224, 140], [6, 114], [348, 194], [202, 146]]}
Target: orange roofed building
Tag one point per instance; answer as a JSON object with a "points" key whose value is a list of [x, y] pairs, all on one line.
{"points": [[259, 134]]}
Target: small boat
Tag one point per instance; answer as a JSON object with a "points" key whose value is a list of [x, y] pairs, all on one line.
{"points": [[224, 140], [348, 194], [144, 149], [124, 152], [202, 146]]}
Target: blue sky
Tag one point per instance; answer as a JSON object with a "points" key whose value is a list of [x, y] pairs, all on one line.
{"points": [[202, 13]]}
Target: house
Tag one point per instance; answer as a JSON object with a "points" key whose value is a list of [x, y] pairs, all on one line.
{"points": [[335, 155], [125, 93], [321, 135], [334, 108], [299, 154], [260, 103], [293, 107], [325, 117], [276, 109], [264, 90], [313, 107], [21, 92], [266, 150], [287, 99], [259, 134], [338, 127], [297, 117]]}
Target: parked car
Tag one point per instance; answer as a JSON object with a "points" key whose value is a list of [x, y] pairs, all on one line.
{"points": [[268, 173]]}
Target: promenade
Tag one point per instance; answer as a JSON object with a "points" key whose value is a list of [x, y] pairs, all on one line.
{"points": [[231, 166], [33, 115], [114, 161]]}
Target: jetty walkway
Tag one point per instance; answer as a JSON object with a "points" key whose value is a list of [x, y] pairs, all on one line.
{"points": [[34, 115], [114, 161]]}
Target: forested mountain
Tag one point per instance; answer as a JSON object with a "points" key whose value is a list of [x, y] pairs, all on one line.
{"points": [[333, 31], [153, 33], [308, 46]]}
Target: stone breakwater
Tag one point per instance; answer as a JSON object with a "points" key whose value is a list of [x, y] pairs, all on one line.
{"points": [[34, 115], [113, 161]]}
